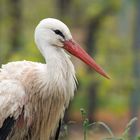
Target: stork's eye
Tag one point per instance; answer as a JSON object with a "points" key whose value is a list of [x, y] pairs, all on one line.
{"points": [[58, 32]]}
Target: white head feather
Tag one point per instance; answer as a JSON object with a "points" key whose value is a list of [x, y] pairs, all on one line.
{"points": [[45, 33]]}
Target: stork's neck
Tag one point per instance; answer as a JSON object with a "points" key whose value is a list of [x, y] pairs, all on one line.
{"points": [[59, 70], [53, 54], [56, 59]]}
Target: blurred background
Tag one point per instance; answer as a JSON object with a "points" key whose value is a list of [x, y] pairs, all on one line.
{"points": [[109, 30]]}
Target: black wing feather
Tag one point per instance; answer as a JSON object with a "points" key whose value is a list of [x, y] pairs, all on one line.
{"points": [[6, 128], [58, 131]]}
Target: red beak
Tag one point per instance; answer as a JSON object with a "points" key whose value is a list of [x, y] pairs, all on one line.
{"points": [[77, 51]]}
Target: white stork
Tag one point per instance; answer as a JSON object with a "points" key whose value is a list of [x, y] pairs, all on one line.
{"points": [[34, 96]]}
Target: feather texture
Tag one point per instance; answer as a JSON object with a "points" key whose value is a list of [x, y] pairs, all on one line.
{"points": [[36, 95], [44, 91]]}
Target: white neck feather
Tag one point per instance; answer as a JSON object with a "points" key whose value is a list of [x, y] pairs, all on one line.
{"points": [[60, 70]]}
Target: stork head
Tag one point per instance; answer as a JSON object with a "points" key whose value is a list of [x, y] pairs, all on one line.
{"points": [[55, 33]]}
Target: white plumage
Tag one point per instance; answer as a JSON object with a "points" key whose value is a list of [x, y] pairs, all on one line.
{"points": [[36, 94]]}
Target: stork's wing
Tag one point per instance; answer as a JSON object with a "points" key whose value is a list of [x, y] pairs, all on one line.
{"points": [[12, 100], [16, 69]]}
